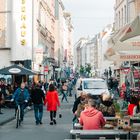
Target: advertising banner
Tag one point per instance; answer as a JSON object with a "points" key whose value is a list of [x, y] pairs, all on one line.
{"points": [[21, 35]]}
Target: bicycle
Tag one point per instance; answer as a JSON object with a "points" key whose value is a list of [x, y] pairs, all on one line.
{"points": [[18, 112]]}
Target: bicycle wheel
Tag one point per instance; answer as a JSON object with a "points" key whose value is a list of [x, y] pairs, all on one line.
{"points": [[18, 117]]}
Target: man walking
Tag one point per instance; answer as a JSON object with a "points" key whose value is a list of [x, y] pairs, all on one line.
{"points": [[21, 97], [38, 97]]}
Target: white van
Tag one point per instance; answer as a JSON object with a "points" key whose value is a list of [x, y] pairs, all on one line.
{"points": [[93, 86]]}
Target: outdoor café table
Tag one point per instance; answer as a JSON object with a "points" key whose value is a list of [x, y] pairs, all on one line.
{"points": [[110, 118], [96, 134], [135, 120]]}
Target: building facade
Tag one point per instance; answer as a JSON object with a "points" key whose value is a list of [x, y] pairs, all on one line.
{"points": [[126, 50], [35, 37], [44, 37]]}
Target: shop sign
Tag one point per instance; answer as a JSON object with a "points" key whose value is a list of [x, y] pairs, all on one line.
{"points": [[136, 43], [129, 57], [125, 71], [46, 69], [14, 70], [136, 74], [23, 23]]}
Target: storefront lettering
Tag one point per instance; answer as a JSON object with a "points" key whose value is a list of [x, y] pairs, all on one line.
{"points": [[130, 57], [23, 23], [136, 43]]}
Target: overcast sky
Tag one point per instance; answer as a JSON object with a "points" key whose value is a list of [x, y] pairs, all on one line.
{"points": [[89, 17]]}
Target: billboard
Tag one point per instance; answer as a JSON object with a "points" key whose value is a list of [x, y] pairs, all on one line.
{"points": [[21, 32]]}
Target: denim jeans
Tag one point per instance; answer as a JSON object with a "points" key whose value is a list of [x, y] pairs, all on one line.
{"points": [[22, 107], [64, 93], [38, 111]]}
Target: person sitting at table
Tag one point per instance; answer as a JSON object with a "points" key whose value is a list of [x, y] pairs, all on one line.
{"points": [[75, 106], [106, 106], [132, 105], [91, 118], [137, 108], [81, 105]]}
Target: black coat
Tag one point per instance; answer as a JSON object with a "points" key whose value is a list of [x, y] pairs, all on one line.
{"points": [[76, 103], [37, 96]]}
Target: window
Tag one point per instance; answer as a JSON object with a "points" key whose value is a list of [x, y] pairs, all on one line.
{"points": [[125, 16], [3, 23], [122, 18], [94, 84], [119, 20]]}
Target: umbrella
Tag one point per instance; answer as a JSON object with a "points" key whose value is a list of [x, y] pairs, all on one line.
{"points": [[16, 70], [133, 29]]}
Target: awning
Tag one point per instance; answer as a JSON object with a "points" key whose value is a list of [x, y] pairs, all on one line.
{"points": [[16, 70], [130, 44], [132, 30], [123, 56]]}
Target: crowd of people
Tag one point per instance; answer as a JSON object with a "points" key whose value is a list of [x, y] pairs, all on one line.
{"points": [[90, 113], [87, 111], [38, 94]]}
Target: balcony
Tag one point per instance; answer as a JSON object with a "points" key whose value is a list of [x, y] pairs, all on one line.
{"points": [[41, 28]]}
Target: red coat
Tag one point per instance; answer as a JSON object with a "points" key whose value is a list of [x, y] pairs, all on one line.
{"points": [[130, 109], [52, 100]]}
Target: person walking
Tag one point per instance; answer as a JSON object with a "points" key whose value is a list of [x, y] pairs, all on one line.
{"points": [[38, 98], [52, 102], [21, 97], [70, 87], [1, 101], [64, 91]]}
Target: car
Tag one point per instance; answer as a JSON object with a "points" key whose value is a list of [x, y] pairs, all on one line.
{"points": [[94, 86]]}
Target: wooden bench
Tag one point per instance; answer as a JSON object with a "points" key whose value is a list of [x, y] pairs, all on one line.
{"points": [[98, 134]]}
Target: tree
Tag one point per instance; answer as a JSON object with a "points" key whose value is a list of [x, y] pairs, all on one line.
{"points": [[82, 70], [88, 69]]}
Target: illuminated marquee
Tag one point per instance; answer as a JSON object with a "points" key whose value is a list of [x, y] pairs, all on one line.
{"points": [[23, 23]]}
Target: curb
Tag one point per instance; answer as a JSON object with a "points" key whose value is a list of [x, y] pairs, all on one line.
{"points": [[8, 120], [12, 118]]}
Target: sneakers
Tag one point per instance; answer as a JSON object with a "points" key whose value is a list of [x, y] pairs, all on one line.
{"points": [[38, 122]]}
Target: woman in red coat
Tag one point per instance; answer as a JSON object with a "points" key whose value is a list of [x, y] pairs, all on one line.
{"points": [[52, 101], [132, 105]]}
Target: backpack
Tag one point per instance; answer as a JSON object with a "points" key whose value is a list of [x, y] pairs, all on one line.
{"points": [[21, 97]]}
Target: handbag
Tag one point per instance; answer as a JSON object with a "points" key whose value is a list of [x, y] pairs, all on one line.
{"points": [[59, 113]]}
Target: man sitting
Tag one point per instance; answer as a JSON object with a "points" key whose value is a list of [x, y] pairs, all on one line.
{"points": [[91, 118]]}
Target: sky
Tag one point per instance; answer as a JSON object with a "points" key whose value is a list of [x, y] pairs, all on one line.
{"points": [[89, 17]]}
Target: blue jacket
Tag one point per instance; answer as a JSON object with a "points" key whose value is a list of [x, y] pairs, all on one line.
{"points": [[17, 93]]}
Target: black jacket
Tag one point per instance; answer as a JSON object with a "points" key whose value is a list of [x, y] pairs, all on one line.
{"points": [[37, 96], [76, 103]]}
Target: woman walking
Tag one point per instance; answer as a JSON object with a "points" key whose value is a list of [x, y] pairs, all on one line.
{"points": [[52, 102], [64, 91]]}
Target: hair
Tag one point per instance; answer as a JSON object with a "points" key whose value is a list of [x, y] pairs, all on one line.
{"points": [[92, 102], [51, 87], [133, 100]]}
